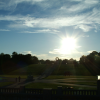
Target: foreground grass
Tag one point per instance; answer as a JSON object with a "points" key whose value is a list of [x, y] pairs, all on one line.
{"points": [[81, 83], [14, 76], [40, 85], [5, 83], [67, 77]]}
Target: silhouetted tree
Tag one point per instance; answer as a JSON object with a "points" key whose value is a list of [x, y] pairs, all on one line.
{"points": [[65, 61], [35, 60]]}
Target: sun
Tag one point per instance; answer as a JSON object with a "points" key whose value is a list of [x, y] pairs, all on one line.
{"points": [[68, 45]]}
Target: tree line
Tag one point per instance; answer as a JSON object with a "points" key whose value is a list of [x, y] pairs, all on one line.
{"points": [[92, 62], [22, 60]]}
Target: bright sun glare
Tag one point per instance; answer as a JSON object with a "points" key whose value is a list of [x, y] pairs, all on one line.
{"points": [[68, 45]]}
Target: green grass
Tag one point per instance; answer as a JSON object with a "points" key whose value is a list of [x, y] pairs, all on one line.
{"points": [[5, 83], [38, 69], [53, 86], [34, 69], [82, 83], [79, 70], [14, 76], [66, 77]]}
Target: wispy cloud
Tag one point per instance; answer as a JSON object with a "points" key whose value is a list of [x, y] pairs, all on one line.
{"points": [[79, 5], [55, 51], [83, 5], [58, 51], [85, 21], [26, 52], [81, 21], [12, 4], [85, 28], [4, 30], [42, 31]]}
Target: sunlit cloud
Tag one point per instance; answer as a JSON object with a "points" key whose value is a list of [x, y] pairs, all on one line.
{"points": [[55, 51], [90, 51], [42, 31], [81, 21], [85, 28], [86, 22], [26, 52], [58, 51]]}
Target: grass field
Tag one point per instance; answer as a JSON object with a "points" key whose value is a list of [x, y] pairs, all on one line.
{"points": [[14, 76], [54, 86], [80, 70], [92, 78], [38, 69], [34, 69], [5, 83]]}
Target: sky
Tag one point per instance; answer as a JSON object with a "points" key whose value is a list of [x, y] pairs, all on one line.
{"points": [[39, 27]]}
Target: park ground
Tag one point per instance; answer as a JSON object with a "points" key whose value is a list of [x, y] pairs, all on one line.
{"points": [[80, 77]]}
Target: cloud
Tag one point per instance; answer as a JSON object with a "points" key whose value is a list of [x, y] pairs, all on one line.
{"points": [[55, 51], [12, 4], [26, 52], [75, 54], [44, 56], [90, 51], [42, 31], [40, 55], [85, 21], [4, 30], [58, 51], [80, 5], [85, 28], [17, 26]]}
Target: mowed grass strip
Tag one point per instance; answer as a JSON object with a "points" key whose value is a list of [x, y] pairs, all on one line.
{"points": [[14, 76], [6, 83], [40, 85], [81, 83], [92, 78]]}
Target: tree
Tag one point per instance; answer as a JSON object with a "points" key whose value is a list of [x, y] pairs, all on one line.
{"points": [[65, 61], [35, 60], [47, 61], [42, 61]]}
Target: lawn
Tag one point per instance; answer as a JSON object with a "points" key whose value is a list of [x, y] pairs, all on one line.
{"points": [[6, 83], [40, 85], [14, 76], [79, 70], [38, 69], [67, 77], [81, 83], [34, 69]]}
